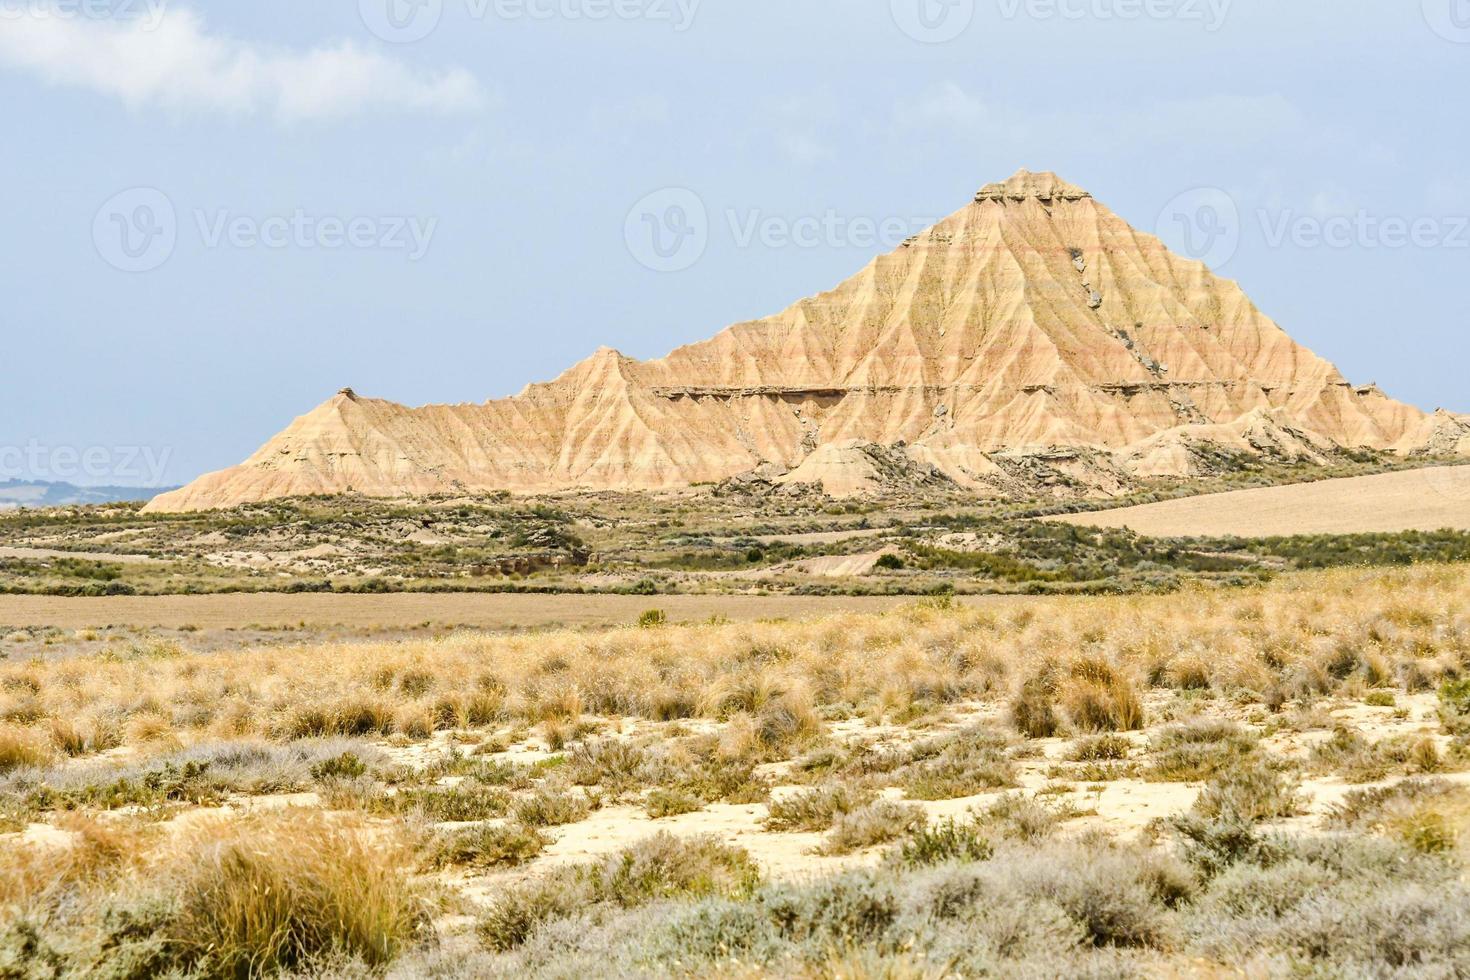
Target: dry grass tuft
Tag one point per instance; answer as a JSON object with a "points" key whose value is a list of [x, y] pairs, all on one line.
{"points": [[268, 894], [22, 747], [1034, 708], [1100, 698]]}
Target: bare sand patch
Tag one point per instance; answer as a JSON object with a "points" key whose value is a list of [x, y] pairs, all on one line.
{"points": [[1413, 500], [481, 611]]}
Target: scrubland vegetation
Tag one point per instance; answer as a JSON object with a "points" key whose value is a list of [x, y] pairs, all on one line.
{"points": [[705, 541], [1270, 779]]}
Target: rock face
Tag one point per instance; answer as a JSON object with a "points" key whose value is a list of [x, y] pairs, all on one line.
{"points": [[1034, 321]]}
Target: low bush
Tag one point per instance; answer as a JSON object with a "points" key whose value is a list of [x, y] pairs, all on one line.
{"points": [[1100, 748], [948, 841], [487, 846], [1198, 750], [465, 803], [1348, 754], [662, 803], [816, 809], [1251, 791], [877, 823], [551, 806], [661, 867], [1430, 815], [964, 764]]}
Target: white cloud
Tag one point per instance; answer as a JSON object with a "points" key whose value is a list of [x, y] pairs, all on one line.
{"points": [[177, 65]]}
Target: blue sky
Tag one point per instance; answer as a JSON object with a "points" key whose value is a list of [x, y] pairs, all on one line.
{"points": [[446, 205]]}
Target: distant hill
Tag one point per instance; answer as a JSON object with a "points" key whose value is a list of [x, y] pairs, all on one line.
{"points": [[1030, 342], [21, 493]]}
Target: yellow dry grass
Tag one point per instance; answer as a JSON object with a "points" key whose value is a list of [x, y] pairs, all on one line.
{"points": [[1304, 634]]}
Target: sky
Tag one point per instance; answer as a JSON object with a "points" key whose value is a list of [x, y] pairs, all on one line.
{"points": [[215, 215]]}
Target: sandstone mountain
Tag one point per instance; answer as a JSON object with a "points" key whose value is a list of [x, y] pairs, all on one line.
{"points": [[1033, 334]]}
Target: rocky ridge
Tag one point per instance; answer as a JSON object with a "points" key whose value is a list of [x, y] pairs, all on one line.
{"points": [[1032, 332]]}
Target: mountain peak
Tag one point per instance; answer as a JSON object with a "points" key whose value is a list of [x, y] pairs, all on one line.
{"points": [[1024, 185], [965, 354]]}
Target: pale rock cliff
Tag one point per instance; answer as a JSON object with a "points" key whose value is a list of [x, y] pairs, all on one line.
{"points": [[1032, 324]]}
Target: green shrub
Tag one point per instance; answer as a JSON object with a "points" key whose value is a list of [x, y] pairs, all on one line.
{"points": [[1100, 748], [1198, 750], [652, 619], [816, 809], [942, 843], [661, 867], [465, 803], [488, 846], [662, 803], [344, 766], [967, 764], [548, 806]]}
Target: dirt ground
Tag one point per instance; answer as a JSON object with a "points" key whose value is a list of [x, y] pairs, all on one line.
{"points": [[403, 610], [1414, 500]]}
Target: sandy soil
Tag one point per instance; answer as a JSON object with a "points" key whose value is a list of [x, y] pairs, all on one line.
{"points": [[1123, 807], [823, 537], [1413, 500], [492, 611], [47, 553]]}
